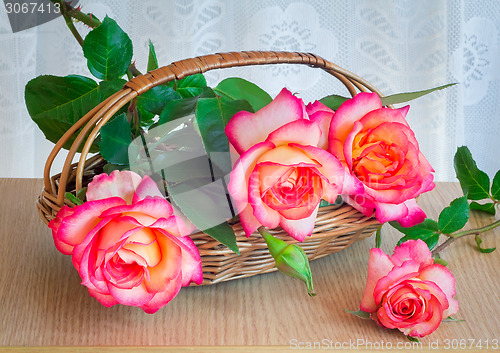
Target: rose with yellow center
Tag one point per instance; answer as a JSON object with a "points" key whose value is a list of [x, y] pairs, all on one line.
{"points": [[281, 173], [127, 242], [383, 162]]}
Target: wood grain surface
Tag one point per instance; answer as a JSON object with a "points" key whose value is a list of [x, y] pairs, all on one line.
{"points": [[42, 302]]}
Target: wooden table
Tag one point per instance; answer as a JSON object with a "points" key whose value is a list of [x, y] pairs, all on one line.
{"points": [[43, 304]]}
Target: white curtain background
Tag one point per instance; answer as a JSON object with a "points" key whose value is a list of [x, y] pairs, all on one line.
{"points": [[397, 45]]}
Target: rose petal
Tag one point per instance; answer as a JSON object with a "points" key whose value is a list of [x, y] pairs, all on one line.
{"points": [[434, 316], [415, 214], [409, 269], [73, 228], [315, 107], [361, 203], [119, 183], [299, 229], [352, 185], [245, 130], [444, 279], [238, 183], [287, 155], [385, 115], [404, 110], [147, 188], [163, 298], [150, 252], [329, 167], [385, 212], [379, 266], [351, 111], [264, 214], [145, 211], [303, 132], [348, 144], [105, 299], [168, 269], [416, 250], [136, 296], [191, 263], [248, 220]]}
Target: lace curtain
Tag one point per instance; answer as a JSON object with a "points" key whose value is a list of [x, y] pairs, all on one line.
{"points": [[397, 45]]}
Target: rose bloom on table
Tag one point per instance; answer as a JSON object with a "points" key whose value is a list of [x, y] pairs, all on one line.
{"points": [[127, 242]]}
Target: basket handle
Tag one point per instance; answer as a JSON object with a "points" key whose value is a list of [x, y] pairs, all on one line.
{"points": [[97, 117]]}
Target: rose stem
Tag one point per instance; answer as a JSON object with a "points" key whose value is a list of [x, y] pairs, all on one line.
{"points": [[455, 236]]}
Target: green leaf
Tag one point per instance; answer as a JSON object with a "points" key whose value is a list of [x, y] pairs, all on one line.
{"points": [[487, 207], [191, 86], [182, 107], [235, 88], [152, 61], [430, 240], [427, 231], [479, 241], [439, 260], [116, 136], [412, 339], [333, 102], [73, 198], [324, 203], [359, 313], [378, 237], [146, 119], [155, 100], [57, 103], [212, 116], [495, 187], [406, 97], [108, 88], [108, 50], [474, 182], [108, 168], [451, 319], [82, 194], [455, 216], [200, 200], [338, 201], [224, 234]]}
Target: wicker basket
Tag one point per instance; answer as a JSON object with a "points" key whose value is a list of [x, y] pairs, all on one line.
{"points": [[336, 227]]}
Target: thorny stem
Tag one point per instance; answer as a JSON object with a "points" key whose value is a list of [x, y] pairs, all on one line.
{"points": [[476, 231], [68, 10], [442, 246], [72, 28], [457, 235], [69, 13]]}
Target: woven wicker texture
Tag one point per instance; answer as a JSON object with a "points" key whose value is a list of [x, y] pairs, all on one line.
{"points": [[336, 226]]}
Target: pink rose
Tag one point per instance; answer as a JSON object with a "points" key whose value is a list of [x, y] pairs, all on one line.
{"points": [[385, 168], [282, 172], [407, 290], [127, 243]]}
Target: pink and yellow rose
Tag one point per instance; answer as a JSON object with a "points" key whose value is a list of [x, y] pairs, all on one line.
{"points": [[283, 170], [385, 169], [408, 291], [127, 242]]}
